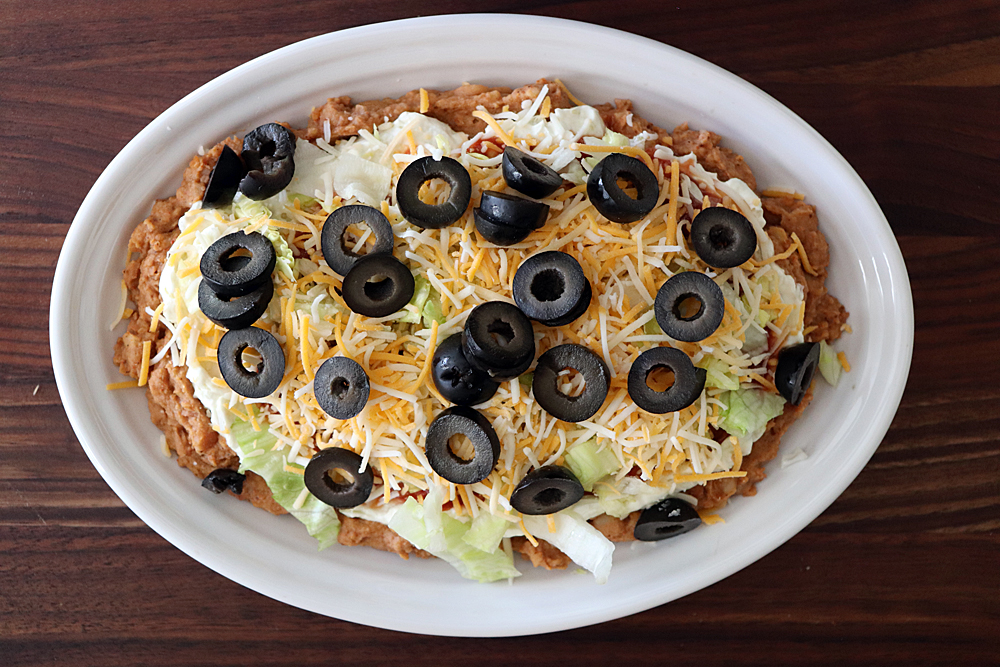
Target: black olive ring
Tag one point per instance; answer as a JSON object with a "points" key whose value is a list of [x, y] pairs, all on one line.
{"points": [[550, 287], [722, 237], [687, 387], [224, 180], [460, 420], [545, 382], [794, 373], [338, 494], [670, 300], [238, 312], [340, 257], [341, 387], [229, 277], [269, 156], [513, 211], [456, 379], [433, 216], [546, 490], [269, 372], [378, 285], [498, 339], [668, 518], [608, 197], [529, 175]]}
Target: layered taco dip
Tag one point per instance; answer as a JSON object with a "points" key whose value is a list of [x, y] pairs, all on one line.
{"points": [[479, 322]]}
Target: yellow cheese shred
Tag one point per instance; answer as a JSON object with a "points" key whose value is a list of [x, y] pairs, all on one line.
{"points": [[425, 102], [488, 119], [708, 477], [125, 384], [156, 318], [147, 346], [431, 346], [842, 358], [782, 193]]}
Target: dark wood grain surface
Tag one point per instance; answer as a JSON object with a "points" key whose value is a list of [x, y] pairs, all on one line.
{"points": [[903, 569]]}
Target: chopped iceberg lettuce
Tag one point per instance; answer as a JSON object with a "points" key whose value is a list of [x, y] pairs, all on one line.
{"points": [[626, 496], [748, 411], [426, 304], [585, 545], [590, 463], [244, 207], [428, 528], [285, 258], [255, 455], [717, 374], [486, 532], [829, 364]]}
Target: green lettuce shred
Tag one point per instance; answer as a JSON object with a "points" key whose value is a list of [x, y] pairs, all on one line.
{"points": [[829, 364], [255, 453], [748, 411], [590, 463], [428, 528], [426, 302], [717, 374], [285, 259], [486, 532]]}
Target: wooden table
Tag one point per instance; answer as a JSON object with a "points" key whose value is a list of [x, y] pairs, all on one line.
{"points": [[901, 570]]}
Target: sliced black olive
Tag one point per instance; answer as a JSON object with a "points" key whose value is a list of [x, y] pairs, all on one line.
{"points": [[668, 518], [497, 233], [506, 209], [269, 155], [546, 491], [611, 200], [689, 306], [345, 463], [460, 420], [265, 378], [224, 180], [529, 175], [546, 380], [550, 287], [233, 278], [341, 387], [433, 216], [224, 479], [796, 366], [238, 312], [456, 379], [378, 285], [685, 390], [499, 340], [336, 253], [723, 238]]}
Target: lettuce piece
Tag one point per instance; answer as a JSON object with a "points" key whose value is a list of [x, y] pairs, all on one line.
{"points": [[626, 496], [829, 364], [486, 532], [430, 529], [305, 201], [285, 258], [652, 328], [584, 544], [255, 455], [244, 207], [717, 374], [590, 463], [526, 379], [422, 293], [432, 312], [754, 340], [748, 411]]}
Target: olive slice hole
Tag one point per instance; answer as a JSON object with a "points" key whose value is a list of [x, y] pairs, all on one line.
{"points": [[689, 307], [379, 288], [550, 496], [251, 360], [660, 378], [358, 239], [338, 480], [501, 332], [461, 447], [721, 237], [628, 187], [548, 285], [571, 383], [339, 387], [434, 191]]}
